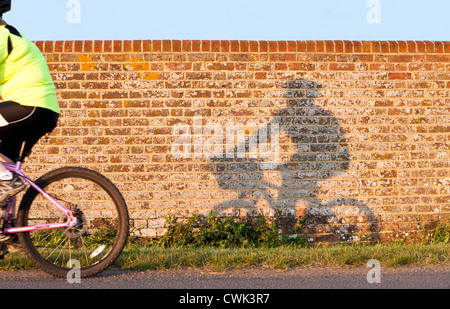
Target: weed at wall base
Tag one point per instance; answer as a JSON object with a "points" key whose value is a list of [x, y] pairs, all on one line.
{"points": [[228, 232]]}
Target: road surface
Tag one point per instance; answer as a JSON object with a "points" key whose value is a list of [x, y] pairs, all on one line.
{"points": [[411, 277]]}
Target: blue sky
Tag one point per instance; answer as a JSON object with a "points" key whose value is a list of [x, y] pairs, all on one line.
{"points": [[232, 19]]}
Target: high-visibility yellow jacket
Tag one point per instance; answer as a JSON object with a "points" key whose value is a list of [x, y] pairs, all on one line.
{"points": [[24, 74]]}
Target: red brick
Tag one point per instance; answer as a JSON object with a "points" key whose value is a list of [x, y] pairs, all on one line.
{"points": [[438, 47], [357, 47], [214, 46], [393, 47], [329, 46], [88, 46], [280, 66], [176, 46], [342, 66], [234, 46], [411, 46], [402, 47], [78, 46], [117, 46], [400, 76], [339, 46], [401, 58], [446, 46], [420, 46], [366, 47], [301, 46], [224, 46], [291, 46], [137, 46], [263, 46], [375, 47], [429, 47], [179, 66], [166, 46], [59, 46], [384, 47], [186, 45], [438, 58], [107, 46], [206, 46], [98, 46], [348, 46], [156, 46], [301, 66], [244, 46], [310, 46], [273, 46], [127, 46], [195, 45], [146, 45], [48, 46], [253, 46], [68, 46]]}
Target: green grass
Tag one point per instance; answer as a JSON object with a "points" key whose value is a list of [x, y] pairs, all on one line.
{"points": [[283, 257], [221, 244], [140, 258], [15, 261]]}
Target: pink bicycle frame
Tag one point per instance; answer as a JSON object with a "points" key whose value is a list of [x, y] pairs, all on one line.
{"points": [[72, 221]]}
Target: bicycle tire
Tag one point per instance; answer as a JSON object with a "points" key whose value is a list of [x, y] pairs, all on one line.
{"points": [[33, 204]]}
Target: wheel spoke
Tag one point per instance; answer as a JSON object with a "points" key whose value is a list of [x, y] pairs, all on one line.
{"points": [[102, 221]]}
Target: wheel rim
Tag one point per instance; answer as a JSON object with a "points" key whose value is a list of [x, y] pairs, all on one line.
{"points": [[96, 233]]}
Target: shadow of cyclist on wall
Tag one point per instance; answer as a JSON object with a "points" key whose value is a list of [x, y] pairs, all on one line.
{"points": [[312, 148]]}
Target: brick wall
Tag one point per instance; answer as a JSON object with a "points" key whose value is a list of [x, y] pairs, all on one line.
{"points": [[360, 130]]}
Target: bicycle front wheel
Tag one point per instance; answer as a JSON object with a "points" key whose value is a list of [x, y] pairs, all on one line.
{"points": [[102, 222]]}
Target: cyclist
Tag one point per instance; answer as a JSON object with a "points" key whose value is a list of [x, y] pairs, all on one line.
{"points": [[30, 108]]}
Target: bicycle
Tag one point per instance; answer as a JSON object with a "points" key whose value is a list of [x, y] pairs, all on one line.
{"points": [[68, 214]]}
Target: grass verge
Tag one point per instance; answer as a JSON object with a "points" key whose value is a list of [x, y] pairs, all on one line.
{"points": [[283, 257], [141, 258], [220, 244]]}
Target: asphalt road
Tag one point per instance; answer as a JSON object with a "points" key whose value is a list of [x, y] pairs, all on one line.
{"points": [[411, 277]]}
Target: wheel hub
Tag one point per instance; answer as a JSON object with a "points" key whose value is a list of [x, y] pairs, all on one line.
{"points": [[80, 228]]}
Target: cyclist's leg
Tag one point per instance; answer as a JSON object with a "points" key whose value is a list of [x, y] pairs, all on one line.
{"points": [[12, 115], [14, 128], [19, 124], [8, 150]]}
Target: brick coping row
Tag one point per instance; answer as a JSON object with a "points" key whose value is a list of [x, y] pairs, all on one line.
{"points": [[240, 46]]}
